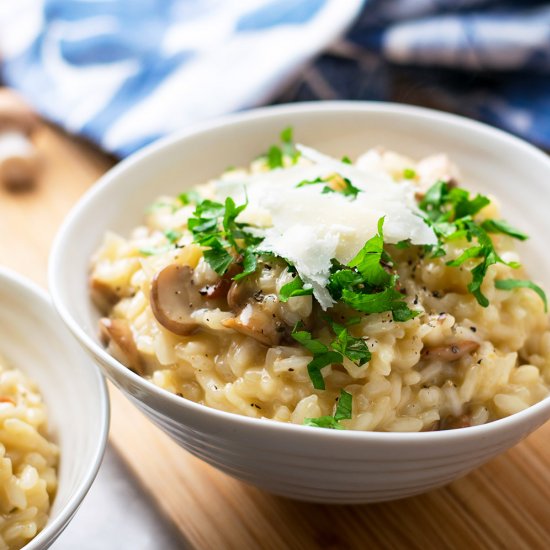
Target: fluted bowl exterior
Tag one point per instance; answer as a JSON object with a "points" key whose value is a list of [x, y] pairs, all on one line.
{"points": [[295, 461]]}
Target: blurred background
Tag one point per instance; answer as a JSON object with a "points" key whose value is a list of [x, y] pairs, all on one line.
{"points": [[123, 73]]}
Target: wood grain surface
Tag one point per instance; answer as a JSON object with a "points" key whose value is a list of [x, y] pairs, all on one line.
{"points": [[505, 504]]}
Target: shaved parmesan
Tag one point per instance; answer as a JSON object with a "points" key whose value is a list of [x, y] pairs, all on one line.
{"points": [[309, 228]]}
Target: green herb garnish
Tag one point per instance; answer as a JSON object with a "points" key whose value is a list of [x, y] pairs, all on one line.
{"points": [[502, 226], [339, 185], [367, 284], [344, 345], [173, 235], [294, 288], [510, 284], [189, 197], [151, 251], [343, 412], [215, 227], [450, 212], [276, 154]]}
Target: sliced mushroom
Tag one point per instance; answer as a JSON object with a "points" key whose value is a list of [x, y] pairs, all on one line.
{"points": [[240, 292], [453, 422], [221, 288], [451, 352], [257, 323], [174, 297], [216, 291], [103, 295], [117, 334]]}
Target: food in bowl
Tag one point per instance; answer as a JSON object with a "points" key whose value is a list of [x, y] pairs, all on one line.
{"points": [[28, 459], [375, 295]]}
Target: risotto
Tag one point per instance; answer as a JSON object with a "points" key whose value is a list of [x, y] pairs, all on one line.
{"points": [[28, 460], [375, 295]]}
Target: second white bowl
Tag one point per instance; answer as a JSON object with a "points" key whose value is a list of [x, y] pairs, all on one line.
{"points": [[34, 340]]}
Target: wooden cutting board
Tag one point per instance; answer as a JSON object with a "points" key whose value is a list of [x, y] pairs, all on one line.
{"points": [[505, 504]]}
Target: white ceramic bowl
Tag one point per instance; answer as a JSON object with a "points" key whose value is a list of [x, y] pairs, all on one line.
{"points": [[296, 461], [34, 339]]}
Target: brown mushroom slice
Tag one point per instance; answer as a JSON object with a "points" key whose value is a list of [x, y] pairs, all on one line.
{"points": [[453, 422], [451, 352], [103, 295], [223, 285], [117, 334], [174, 297], [240, 292], [254, 322]]}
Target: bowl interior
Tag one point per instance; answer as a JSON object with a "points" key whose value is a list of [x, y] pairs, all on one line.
{"points": [[35, 341], [490, 161]]}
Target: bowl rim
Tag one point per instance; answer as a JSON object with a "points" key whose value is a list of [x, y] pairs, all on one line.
{"points": [[109, 179], [55, 525]]}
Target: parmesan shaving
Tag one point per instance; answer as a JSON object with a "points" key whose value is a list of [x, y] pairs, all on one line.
{"points": [[310, 228]]}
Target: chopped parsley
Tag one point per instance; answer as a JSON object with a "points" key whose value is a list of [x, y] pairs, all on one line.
{"points": [[294, 288], [343, 412], [151, 251], [450, 212], [189, 197], [173, 235], [367, 283], [510, 284], [409, 174], [502, 226], [215, 227], [335, 183], [344, 345], [286, 151]]}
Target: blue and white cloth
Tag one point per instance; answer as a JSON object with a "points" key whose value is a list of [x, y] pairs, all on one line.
{"points": [[125, 72]]}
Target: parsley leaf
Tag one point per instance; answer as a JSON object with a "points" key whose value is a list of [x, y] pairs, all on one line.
{"points": [[219, 259], [150, 251], [345, 345], [450, 212], [388, 299], [172, 235], [343, 412], [276, 155], [323, 422], [510, 284], [368, 260], [502, 226], [365, 285], [355, 349], [250, 264], [294, 288], [335, 183], [215, 226], [344, 407], [189, 197]]}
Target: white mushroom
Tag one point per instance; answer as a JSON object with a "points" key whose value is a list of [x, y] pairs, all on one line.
{"points": [[117, 334], [18, 157], [451, 352], [258, 323], [174, 297]]}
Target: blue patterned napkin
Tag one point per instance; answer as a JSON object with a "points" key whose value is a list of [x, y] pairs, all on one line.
{"points": [[124, 72]]}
